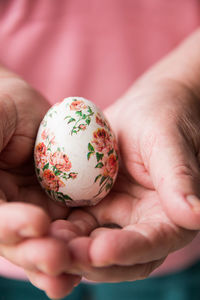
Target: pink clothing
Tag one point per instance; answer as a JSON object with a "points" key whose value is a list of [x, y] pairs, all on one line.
{"points": [[95, 49]]}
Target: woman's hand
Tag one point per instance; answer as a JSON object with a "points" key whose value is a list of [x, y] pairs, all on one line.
{"points": [[154, 202], [25, 211]]}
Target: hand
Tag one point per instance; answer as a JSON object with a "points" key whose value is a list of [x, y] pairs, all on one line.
{"points": [[158, 135], [25, 210], [155, 200]]}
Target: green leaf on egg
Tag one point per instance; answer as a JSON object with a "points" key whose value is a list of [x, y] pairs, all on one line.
{"points": [[108, 186], [97, 177], [46, 166], [57, 172], [99, 156], [74, 131], [71, 120], [103, 179], [79, 113], [111, 151], [90, 147], [67, 197], [90, 110], [88, 120], [89, 154], [99, 165]]}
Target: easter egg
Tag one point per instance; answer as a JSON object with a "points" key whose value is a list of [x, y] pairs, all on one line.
{"points": [[75, 153]]}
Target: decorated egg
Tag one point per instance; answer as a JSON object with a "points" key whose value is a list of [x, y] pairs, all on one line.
{"points": [[75, 153]]}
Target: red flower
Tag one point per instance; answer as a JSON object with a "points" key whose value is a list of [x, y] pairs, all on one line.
{"points": [[99, 120], [52, 141], [50, 181], [110, 166], [41, 149], [101, 140], [40, 155], [60, 161], [44, 134], [77, 105], [82, 126], [102, 122]]}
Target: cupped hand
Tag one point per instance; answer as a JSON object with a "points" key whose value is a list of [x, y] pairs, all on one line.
{"points": [[25, 211], [153, 208], [129, 234]]}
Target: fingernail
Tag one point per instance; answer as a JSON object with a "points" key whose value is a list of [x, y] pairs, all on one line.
{"points": [[27, 232], [194, 202]]}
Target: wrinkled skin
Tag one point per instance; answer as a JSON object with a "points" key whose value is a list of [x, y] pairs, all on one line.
{"points": [[25, 211], [144, 218], [159, 168]]}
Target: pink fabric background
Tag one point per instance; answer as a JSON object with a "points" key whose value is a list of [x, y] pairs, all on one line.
{"points": [[95, 49]]}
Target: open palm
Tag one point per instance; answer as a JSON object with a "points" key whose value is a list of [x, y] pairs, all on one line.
{"points": [[151, 210], [129, 234]]}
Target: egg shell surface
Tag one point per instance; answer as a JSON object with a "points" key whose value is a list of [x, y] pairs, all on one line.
{"points": [[75, 153]]}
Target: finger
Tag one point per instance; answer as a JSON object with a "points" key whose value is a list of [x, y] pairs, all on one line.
{"points": [[48, 255], [55, 287], [64, 230], [135, 244], [79, 223], [111, 273], [21, 220], [175, 173], [125, 273], [83, 220]]}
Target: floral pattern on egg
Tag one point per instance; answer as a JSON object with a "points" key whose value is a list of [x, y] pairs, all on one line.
{"points": [[76, 153], [52, 167], [82, 117]]}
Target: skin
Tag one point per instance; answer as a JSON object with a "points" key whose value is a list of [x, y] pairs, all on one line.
{"points": [[25, 241], [147, 205], [154, 207]]}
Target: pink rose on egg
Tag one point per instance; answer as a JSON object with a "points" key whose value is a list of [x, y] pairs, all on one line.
{"points": [[60, 161], [82, 126], [40, 155], [50, 181], [44, 134], [110, 166], [99, 120], [101, 140], [77, 105]]}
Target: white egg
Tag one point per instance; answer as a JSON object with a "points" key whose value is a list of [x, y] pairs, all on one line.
{"points": [[76, 153]]}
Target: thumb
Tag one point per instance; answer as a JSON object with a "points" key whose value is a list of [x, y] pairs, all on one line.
{"points": [[175, 173]]}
